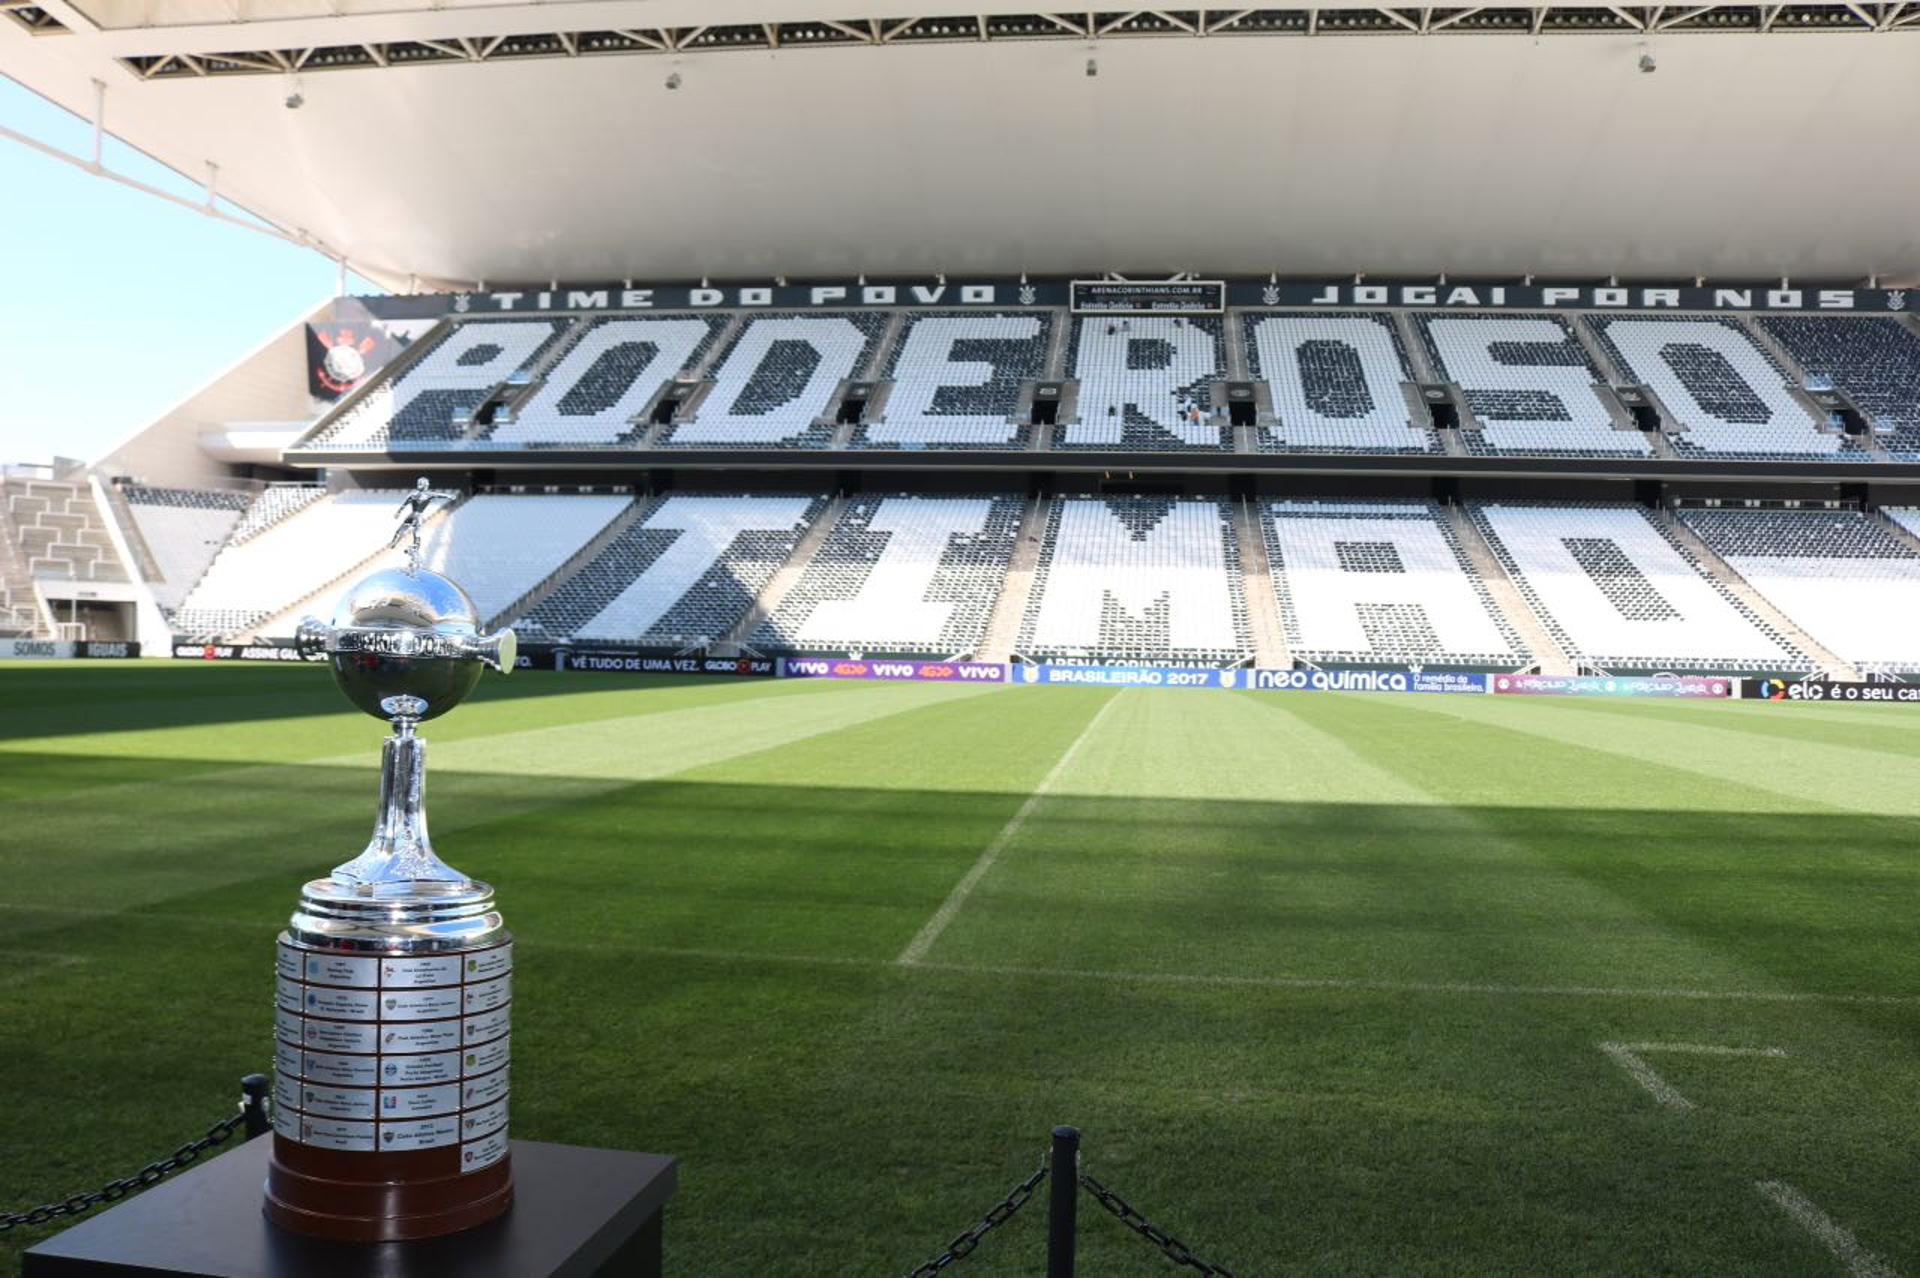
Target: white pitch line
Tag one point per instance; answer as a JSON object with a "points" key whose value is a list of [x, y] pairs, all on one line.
{"points": [[1643, 1074], [1358, 984], [1860, 1262], [1707, 1049], [923, 940], [1627, 1056]]}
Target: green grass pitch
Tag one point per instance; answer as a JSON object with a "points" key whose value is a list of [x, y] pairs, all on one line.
{"points": [[1324, 979]]}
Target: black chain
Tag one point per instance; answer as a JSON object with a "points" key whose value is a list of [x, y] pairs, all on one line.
{"points": [[114, 1190], [1172, 1248], [960, 1248]]}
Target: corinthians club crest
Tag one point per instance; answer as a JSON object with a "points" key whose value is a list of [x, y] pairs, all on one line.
{"points": [[345, 361], [1897, 300]]}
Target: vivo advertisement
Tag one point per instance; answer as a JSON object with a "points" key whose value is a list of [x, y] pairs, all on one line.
{"points": [[1689, 686], [918, 671]]}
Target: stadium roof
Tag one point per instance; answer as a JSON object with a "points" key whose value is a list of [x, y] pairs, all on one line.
{"points": [[450, 142]]}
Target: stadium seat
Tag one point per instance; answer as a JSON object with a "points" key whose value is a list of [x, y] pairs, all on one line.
{"points": [[499, 546], [1618, 594], [1728, 394], [606, 377], [1381, 582], [420, 407], [250, 580], [1335, 380], [956, 381], [1874, 359], [680, 575], [1136, 374], [274, 503], [900, 575], [183, 528], [1840, 575], [1140, 580], [1529, 384], [774, 385]]}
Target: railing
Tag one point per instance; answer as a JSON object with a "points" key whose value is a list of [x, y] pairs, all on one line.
{"points": [[1063, 1211], [251, 1117]]}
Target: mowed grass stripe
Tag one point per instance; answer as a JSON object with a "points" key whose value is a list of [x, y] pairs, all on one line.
{"points": [[1805, 900], [182, 829], [680, 740], [297, 715], [929, 933], [1885, 729], [1343, 868], [1823, 777], [843, 843], [706, 969]]}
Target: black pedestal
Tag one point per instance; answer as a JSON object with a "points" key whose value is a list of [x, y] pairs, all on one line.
{"points": [[576, 1212]]}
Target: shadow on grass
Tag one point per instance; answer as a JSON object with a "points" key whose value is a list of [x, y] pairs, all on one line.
{"points": [[1532, 895], [867, 1111], [81, 696]]}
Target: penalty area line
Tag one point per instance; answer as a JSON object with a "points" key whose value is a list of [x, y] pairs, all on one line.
{"points": [[1628, 1057], [930, 932], [1860, 1262]]}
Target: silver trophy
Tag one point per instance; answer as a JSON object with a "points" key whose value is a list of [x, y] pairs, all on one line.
{"points": [[394, 971]]}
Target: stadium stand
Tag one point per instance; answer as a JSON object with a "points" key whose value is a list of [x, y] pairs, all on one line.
{"points": [[274, 503], [1875, 360], [680, 575], [183, 529], [1620, 595], [1138, 579], [60, 536], [1146, 383], [593, 392], [1730, 397], [900, 574], [774, 384], [499, 546], [956, 381], [419, 407], [1841, 575], [1528, 383], [249, 581], [1371, 582], [1336, 382]]}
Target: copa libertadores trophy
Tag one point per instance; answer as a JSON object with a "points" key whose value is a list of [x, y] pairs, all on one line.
{"points": [[393, 988]]}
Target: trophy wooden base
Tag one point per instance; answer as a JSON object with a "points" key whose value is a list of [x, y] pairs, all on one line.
{"points": [[396, 1197]]}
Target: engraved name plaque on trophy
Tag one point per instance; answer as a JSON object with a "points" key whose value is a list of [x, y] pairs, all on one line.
{"points": [[393, 989]]}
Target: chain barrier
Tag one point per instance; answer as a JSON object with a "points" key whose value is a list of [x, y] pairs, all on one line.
{"points": [[1170, 1247], [114, 1190], [962, 1247]]}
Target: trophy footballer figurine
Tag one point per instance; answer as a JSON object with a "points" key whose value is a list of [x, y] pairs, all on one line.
{"points": [[393, 989]]}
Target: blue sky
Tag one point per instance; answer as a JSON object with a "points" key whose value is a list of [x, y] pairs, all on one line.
{"points": [[115, 305]]}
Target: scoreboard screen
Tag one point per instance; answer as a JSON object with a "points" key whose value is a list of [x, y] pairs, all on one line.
{"points": [[1124, 297]]}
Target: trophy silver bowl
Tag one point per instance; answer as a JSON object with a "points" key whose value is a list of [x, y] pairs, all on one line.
{"points": [[393, 990]]}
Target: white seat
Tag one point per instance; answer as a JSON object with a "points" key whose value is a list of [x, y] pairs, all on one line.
{"points": [[683, 573], [1139, 579], [1381, 582], [1728, 393], [1617, 593], [900, 574], [1840, 575]]}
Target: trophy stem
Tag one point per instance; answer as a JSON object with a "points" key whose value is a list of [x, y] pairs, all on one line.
{"points": [[400, 852]]}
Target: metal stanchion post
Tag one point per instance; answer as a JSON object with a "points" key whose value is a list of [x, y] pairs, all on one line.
{"points": [[1063, 1202], [253, 1103]]}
